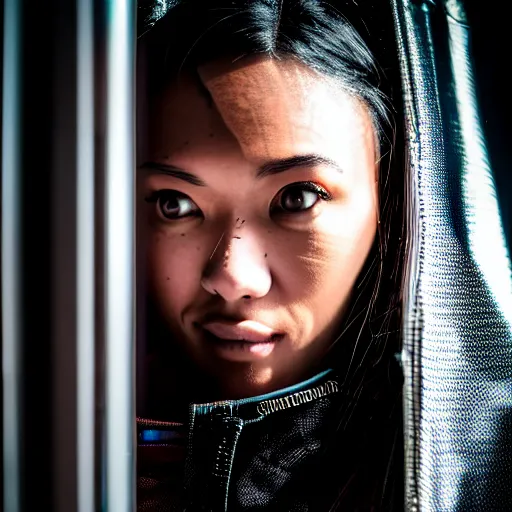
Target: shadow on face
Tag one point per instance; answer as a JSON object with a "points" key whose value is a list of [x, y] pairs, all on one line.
{"points": [[259, 205]]}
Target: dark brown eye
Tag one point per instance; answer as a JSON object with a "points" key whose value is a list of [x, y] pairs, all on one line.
{"points": [[297, 199], [173, 205], [301, 197]]}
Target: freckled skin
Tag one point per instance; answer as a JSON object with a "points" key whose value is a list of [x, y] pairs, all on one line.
{"points": [[297, 269]]}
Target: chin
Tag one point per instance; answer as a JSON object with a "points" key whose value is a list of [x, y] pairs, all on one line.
{"points": [[245, 380]]}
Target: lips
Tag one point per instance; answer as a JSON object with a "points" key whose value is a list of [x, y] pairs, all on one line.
{"points": [[246, 330]]}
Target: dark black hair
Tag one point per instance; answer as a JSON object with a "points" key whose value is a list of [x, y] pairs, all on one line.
{"points": [[312, 32], [345, 41]]}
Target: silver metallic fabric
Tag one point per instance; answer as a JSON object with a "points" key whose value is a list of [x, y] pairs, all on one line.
{"points": [[457, 351]]}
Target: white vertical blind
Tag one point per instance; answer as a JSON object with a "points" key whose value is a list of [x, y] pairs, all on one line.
{"points": [[11, 249], [119, 256]]}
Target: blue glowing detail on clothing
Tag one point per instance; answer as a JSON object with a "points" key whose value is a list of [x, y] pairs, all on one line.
{"points": [[155, 436]]}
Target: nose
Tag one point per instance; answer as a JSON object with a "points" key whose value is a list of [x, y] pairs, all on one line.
{"points": [[238, 267]]}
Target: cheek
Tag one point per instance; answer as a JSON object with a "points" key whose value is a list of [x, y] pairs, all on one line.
{"points": [[350, 237], [173, 270], [326, 263]]}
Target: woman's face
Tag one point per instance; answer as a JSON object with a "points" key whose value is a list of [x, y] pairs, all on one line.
{"points": [[260, 210]]}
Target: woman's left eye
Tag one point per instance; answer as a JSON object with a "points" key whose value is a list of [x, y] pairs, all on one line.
{"points": [[300, 197]]}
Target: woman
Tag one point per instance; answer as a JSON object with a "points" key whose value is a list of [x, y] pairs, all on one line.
{"points": [[271, 215]]}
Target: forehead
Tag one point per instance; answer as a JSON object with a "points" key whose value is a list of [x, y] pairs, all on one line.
{"points": [[270, 108]]}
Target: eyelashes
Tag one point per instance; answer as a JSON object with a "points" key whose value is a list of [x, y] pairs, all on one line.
{"points": [[294, 199], [300, 197], [173, 205]]}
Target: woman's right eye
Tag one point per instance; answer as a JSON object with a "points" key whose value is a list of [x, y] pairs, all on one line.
{"points": [[173, 205]]}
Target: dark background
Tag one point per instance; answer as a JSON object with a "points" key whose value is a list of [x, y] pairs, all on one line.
{"points": [[491, 52]]}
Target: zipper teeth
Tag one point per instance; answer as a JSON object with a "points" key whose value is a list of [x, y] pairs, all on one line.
{"points": [[418, 228], [412, 325], [413, 328], [157, 424], [411, 350]]}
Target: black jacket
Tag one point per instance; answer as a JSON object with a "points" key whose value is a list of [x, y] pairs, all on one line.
{"points": [[275, 452]]}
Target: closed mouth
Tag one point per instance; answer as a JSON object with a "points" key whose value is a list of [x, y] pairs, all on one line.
{"points": [[245, 331], [242, 348], [274, 338]]}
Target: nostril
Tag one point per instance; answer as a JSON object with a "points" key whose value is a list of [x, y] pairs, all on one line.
{"points": [[246, 297]]}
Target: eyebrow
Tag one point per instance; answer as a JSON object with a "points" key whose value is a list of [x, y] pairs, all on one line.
{"points": [[268, 169], [297, 161], [175, 172]]}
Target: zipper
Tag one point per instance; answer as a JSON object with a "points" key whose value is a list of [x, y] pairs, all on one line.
{"points": [[409, 46]]}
